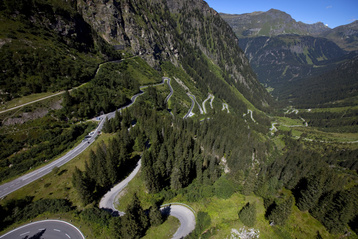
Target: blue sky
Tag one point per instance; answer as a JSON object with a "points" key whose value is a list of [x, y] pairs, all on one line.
{"points": [[331, 12]]}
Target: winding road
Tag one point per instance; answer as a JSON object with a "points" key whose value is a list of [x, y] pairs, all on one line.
{"points": [[211, 102], [189, 114], [45, 229], [61, 229], [180, 211], [28, 178], [108, 200], [226, 106], [186, 218]]}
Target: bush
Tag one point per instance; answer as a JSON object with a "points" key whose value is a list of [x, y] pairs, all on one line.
{"points": [[248, 214], [224, 188]]}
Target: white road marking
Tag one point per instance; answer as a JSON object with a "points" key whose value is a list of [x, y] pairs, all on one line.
{"points": [[67, 235], [56, 230], [24, 233]]}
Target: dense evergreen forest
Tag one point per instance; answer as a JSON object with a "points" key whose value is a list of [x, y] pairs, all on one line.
{"points": [[218, 155], [186, 157]]}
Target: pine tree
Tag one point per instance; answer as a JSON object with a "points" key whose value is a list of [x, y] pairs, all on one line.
{"points": [[155, 215], [67, 102], [175, 179], [248, 214], [117, 121], [80, 183], [135, 221], [102, 175], [281, 211], [250, 182], [308, 197], [107, 128], [160, 162]]}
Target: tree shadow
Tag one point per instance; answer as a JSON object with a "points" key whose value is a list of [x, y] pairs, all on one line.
{"points": [[165, 212], [113, 213], [62, 172], [37, 235]]}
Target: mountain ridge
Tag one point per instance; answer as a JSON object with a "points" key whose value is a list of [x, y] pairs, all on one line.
{"points": [[270, 23], [285, 53], [150, 30]]}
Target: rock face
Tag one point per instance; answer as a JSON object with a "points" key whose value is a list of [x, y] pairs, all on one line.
{"points": [[170, 30], [270, 23], [79, 34], [131, 24]]}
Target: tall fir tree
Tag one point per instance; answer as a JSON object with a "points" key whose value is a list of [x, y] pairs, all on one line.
{"points": [[248, 214]]}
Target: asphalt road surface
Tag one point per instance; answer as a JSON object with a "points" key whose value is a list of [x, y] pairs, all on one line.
{"points": [[184, 214], [22, 181], [170, 87], [49, 229], [191, 108], [186, 218], [108, 200]]}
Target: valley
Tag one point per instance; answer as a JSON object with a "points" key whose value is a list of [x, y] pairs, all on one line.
{"points": [[162, 119]]}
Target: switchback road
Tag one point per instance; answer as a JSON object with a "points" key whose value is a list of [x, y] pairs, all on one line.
{"points": [[26, 179], [45, 229], [108, 200], [180, 211]]}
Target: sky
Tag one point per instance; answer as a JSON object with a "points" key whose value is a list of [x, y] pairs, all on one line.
{"points": [[332, 13]]}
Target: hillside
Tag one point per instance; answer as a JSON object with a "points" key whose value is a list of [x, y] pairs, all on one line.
{"points": [[345, 36], [282, 59], [293, 59], [324, 90], [46, 47], [169, 92]]}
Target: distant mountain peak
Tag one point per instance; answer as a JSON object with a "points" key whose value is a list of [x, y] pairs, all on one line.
{"points": [[270, 23]]}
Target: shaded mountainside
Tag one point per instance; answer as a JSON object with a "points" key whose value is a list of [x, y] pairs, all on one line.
{"points": [[187, 33], [325, 89], [271, 23], [277, 60], [46, 46], [345, 36]]}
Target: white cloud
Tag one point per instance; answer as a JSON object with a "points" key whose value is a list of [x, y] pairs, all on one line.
{"points": [[330, 6]]}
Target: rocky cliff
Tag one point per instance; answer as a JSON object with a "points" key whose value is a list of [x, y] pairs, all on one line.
{"points": [[168, 30], [186, 33]]}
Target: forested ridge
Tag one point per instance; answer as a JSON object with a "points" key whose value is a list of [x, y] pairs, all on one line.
{"points": [[228, 157], [47, 46]]}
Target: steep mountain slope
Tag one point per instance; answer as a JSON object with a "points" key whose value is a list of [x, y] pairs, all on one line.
{"points": [[46, 46], [158, 31], [344, 36], [287, 62], [325, 89], [187, 33], [271, 23], [277, 60], [55, 45]]}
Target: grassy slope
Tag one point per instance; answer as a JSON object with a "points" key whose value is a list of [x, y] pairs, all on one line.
{"points": [[224, 214], [163, 231]]}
